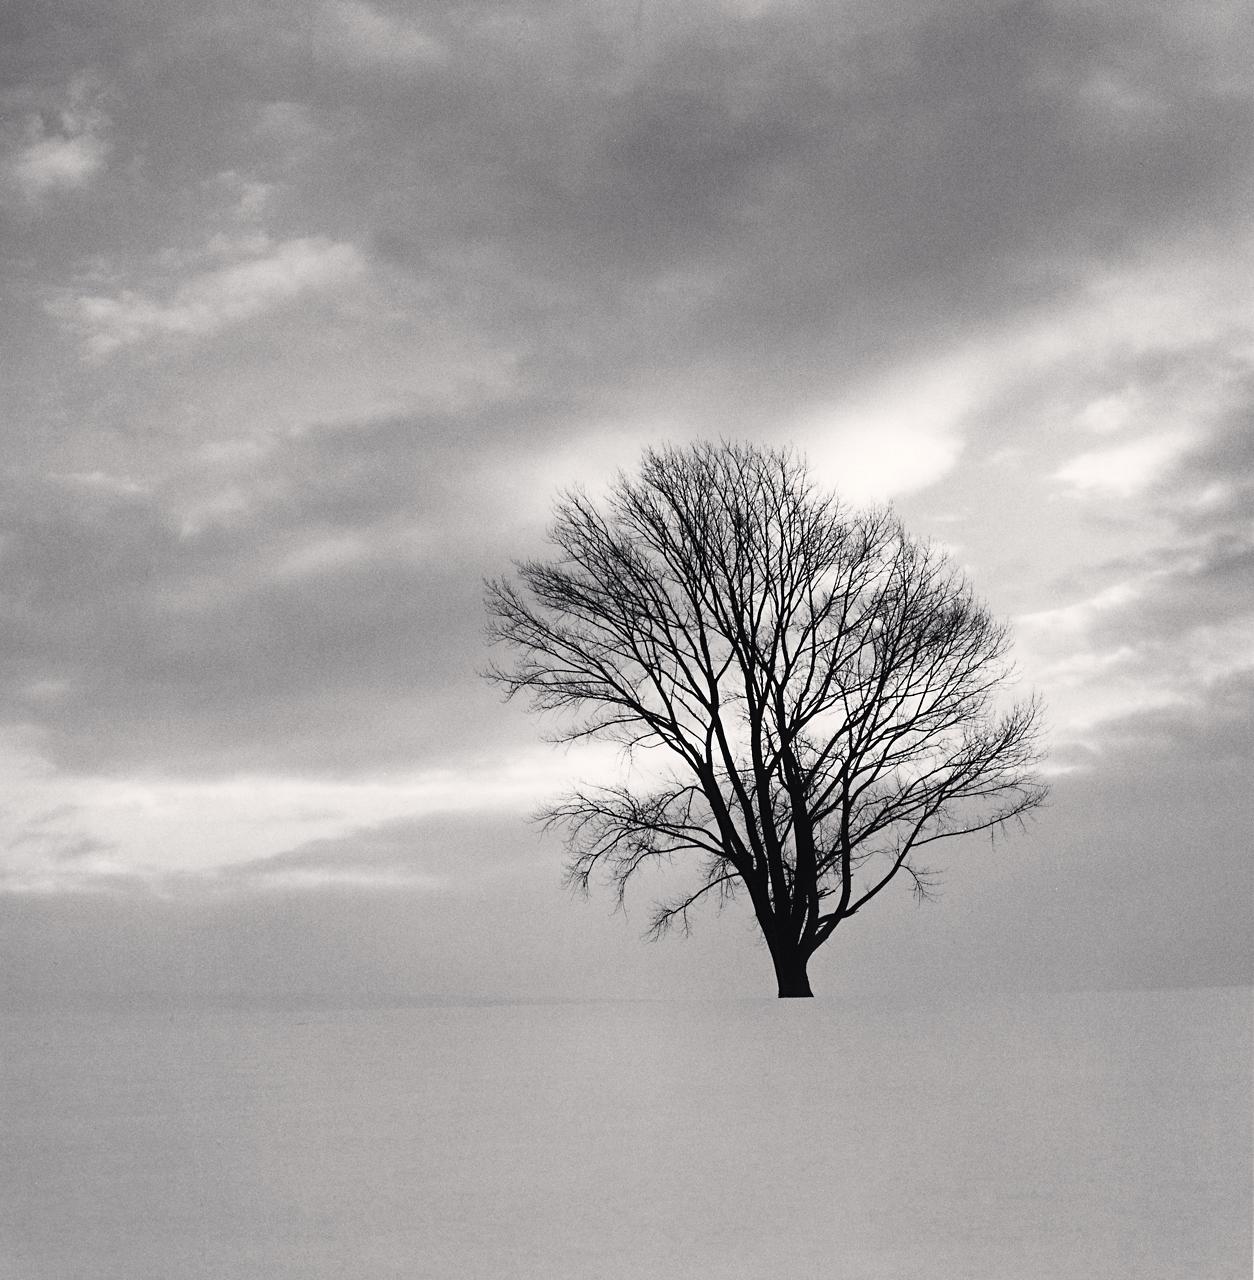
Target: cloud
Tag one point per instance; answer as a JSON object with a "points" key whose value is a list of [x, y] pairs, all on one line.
{"points": [[178, 650], [1123, 470], [272, 275], [716, 231], [170, 833], [62, 150], [1137, 875], [47, 854], [449, 853], [709, 219], [312, 602], [356, 32], [1165, 635], [1214, 730], [249, 199], [58, 163]]}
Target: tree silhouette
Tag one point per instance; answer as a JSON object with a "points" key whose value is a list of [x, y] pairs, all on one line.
{"points": [[823, 690]]}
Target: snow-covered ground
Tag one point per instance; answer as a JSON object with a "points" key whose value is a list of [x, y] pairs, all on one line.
{"points": [[996, 1138]]}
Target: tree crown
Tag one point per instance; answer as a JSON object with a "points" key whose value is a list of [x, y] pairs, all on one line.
{"points": [[825, 687]]}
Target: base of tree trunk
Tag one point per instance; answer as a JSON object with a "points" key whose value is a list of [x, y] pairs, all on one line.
{"points": [[794, 986]]}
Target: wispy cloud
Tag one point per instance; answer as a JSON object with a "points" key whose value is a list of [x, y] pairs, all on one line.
{"points": [[1166, 636], [264, 275], [250, 834], [410, 852]]}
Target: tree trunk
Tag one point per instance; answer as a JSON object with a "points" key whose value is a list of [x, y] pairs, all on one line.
{"points": [[790, 972]]}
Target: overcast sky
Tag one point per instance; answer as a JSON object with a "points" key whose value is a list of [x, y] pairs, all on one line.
{"points": [[311, 306]]}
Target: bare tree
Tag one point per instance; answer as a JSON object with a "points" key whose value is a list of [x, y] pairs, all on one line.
{"points": [[823, 688]]}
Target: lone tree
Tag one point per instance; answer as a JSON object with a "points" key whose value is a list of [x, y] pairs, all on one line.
{"points": [[822, 689]]}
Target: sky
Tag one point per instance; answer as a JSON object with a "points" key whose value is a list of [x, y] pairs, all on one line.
{"points": [[312, 306]]}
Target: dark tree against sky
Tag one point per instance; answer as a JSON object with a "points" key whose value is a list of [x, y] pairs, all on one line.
{"points": [[813, 696]]}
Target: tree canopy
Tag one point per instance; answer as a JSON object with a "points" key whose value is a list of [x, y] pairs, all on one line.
{"points": [[820, 693]]}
